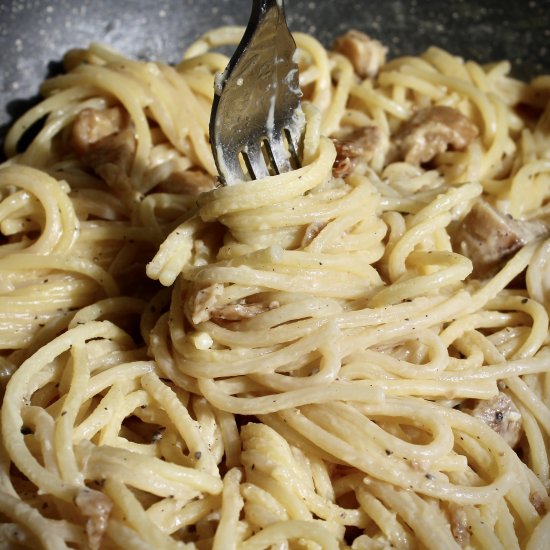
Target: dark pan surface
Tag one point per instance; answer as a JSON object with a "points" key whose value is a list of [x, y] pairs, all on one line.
{"points": [[34, 34]]}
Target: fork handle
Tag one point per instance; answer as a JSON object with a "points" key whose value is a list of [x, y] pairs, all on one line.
{"points": [[260, 9], [262, 6], [257, 22]]}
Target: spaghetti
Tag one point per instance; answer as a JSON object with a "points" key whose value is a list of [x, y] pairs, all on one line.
{"points": [[312, 360]]}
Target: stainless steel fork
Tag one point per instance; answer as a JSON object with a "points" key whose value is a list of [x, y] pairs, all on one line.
{"points": [[257, 119]]}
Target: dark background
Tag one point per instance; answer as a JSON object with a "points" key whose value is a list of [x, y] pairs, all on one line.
{"points": [[34, 34]]}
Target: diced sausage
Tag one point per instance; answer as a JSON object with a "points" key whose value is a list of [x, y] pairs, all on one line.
{"points": [[312, 230], [488, 237], [206, 307], [538, 502], [92, 125], [459, 524], [366, 54], [105, 142], [433, 130], [96, 506], [359, 145], [240, 311], [111, 157], [191, 182], [500, 414]]}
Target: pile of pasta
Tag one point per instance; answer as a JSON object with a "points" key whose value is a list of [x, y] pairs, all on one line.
{"points": [[288, 362]]}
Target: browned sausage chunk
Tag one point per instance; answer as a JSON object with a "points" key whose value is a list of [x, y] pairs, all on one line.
{"points": [[360, 145], [433, 130], [488, 237], [366, 54]]}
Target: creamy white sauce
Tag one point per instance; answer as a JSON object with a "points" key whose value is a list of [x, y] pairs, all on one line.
{"points": [[270, 122], [219, 81]]}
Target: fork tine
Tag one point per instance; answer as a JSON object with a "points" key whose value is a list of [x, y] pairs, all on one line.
{"points": [[254, 160], [293, 139], [278, 155], [231, 164]]}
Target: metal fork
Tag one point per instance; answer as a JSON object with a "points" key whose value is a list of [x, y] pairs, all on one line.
{"points": [[257, 119]]}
